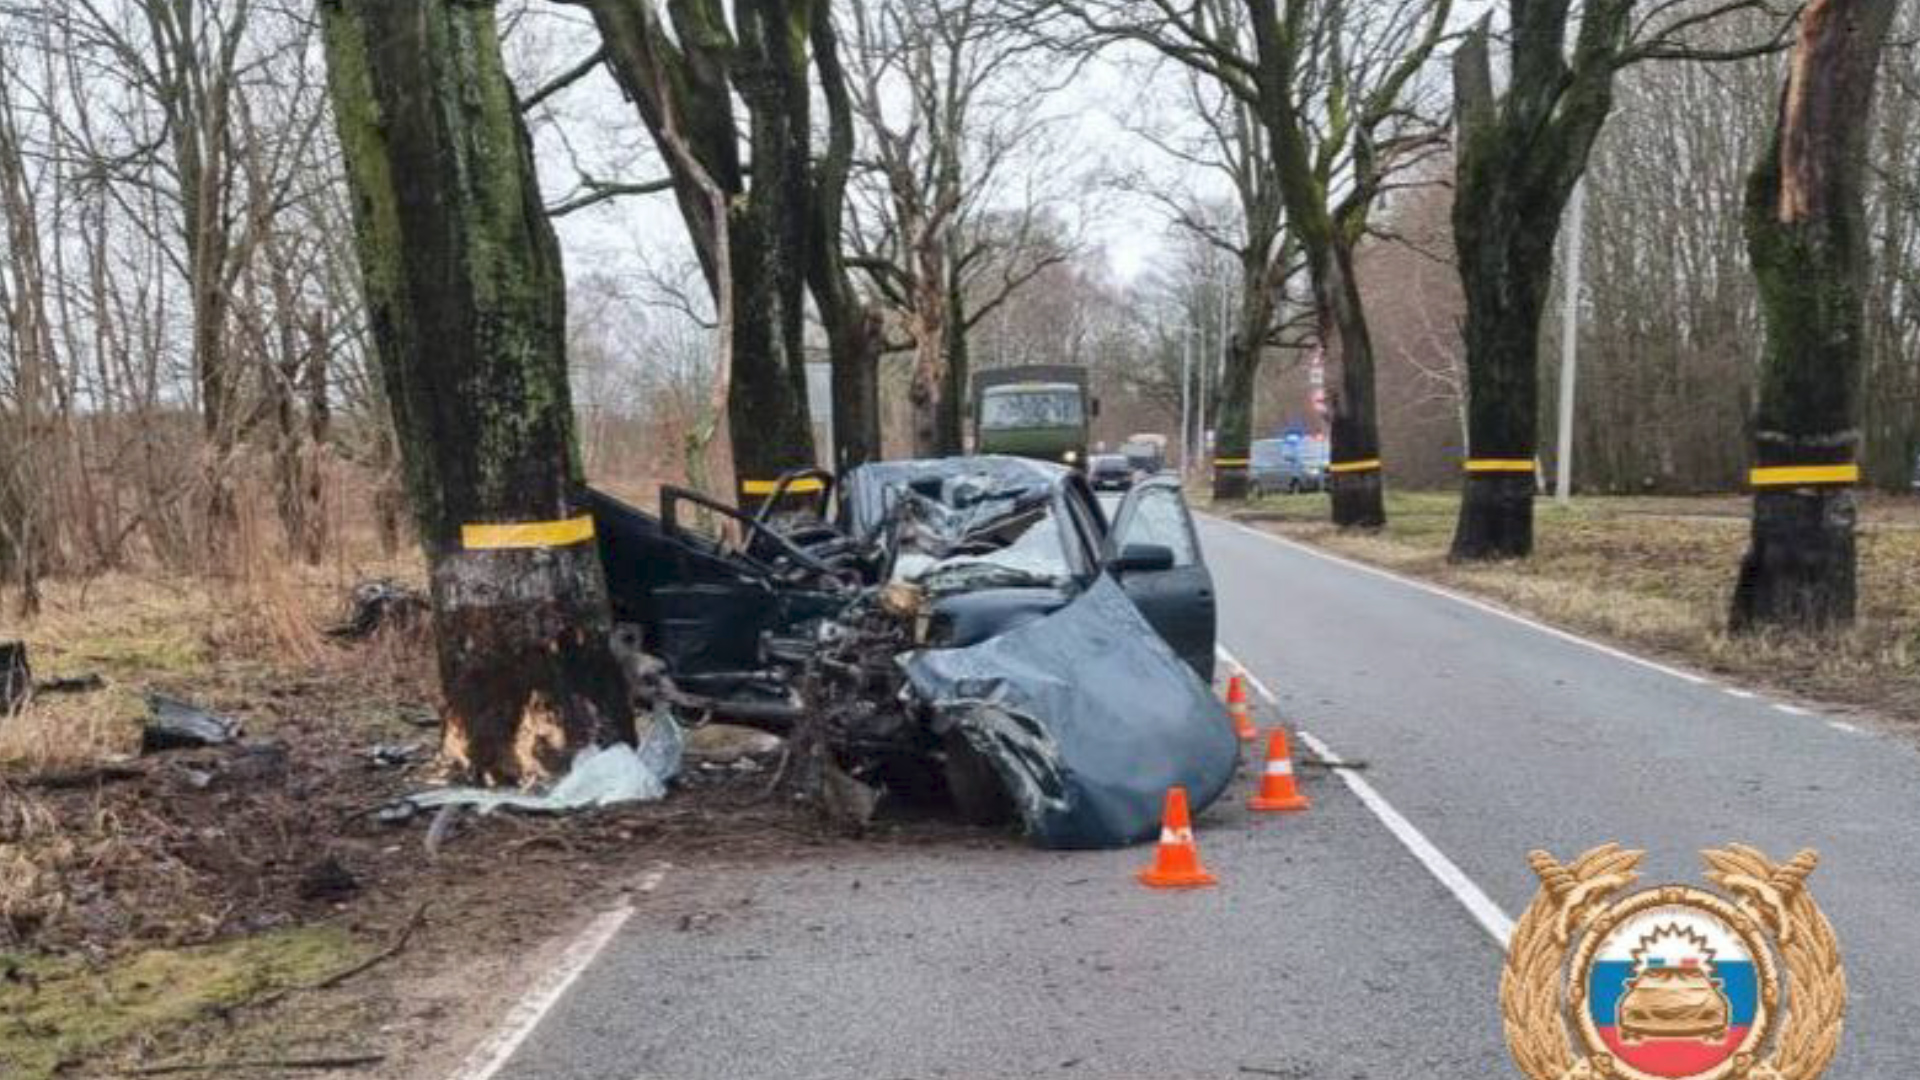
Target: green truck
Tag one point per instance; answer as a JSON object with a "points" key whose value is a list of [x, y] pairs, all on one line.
{"points": [[1041, 411]]}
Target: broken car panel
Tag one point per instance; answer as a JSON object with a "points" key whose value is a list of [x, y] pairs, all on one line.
{"points": [[966, 626]]}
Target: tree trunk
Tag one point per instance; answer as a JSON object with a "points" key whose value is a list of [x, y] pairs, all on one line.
{"points": [[1808, 242], [1505, 269], [927, 320], [1518, 159], [319, 428], [467, 305], [1353, 473], [767, 418], [854, 328], [1233, 440], [683, 83], [951, 411]]}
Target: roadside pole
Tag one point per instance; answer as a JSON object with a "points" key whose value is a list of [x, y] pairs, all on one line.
{"points": [[1186, 406], [1203, 369], [1570, 344]]}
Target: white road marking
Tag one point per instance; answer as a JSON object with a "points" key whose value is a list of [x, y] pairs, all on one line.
{"points": [[1745, 695], [492, 1056], [1792, 710], [1484, 911], [1842, 725], [1476, 604]]}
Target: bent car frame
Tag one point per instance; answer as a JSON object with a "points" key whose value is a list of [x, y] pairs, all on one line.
{"points": [[967, 629]]}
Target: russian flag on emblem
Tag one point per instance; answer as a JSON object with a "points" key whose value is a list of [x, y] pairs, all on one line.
{"points": [[1672, 992]]}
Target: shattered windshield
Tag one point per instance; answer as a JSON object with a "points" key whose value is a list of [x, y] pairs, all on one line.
{"points": [[1035, 554], [1051, 407]]}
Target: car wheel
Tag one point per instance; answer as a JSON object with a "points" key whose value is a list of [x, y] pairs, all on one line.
{"points": [[978, 793]]}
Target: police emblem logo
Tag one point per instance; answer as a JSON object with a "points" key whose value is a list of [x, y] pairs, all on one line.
{"points": [[1673, 982]]}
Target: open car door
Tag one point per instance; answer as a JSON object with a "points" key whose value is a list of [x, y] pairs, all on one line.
{"points": [[1154, 552]]}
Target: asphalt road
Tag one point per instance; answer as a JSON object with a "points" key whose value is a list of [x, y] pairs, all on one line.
{"points": [[1329, 950]]}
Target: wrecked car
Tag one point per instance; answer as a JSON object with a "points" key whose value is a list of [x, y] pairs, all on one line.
{"points": [[970, 629]]}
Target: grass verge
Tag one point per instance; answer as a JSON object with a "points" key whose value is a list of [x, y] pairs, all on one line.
{"points": [[1656, 575], [57, 1011]]}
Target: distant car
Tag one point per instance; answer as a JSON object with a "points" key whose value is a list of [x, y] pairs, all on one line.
{"points": [[1110, 472], [1287, 466], [1146, 452]]}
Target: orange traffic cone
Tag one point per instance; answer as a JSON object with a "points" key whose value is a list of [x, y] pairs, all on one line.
{"points": [[1239, 709], [1276, 782], [1176, 862]]}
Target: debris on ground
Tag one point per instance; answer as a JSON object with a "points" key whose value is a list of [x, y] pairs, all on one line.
{"points": [[394, 755], [727, 743], [16, 678], [173, 724], [379, 606], [71, 684], [600, 776]]}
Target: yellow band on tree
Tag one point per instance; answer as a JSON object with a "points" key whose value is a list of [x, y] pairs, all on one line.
{"points": [[1795, 475], [1366, 465], [1230, 462], [800, 486], [1500, 465], [527, 534]]}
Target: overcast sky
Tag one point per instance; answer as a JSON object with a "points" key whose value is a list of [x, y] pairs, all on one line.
{"points": [[591, 123]]}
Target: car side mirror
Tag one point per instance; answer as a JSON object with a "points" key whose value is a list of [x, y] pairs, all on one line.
{"points": [[1142, 559]]}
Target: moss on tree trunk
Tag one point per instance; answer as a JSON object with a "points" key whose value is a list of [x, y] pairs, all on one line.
{"points": [[467, 309], [1233, 432], [1519, 155], [1808, 243]]}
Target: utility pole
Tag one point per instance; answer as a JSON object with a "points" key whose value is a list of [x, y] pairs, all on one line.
{"points": [[1200, 375], [1186, 407], [1570, 343]]}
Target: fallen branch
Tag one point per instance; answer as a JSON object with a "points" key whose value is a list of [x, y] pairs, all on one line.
{"points": [[344, 1061], [338, 977], [68, 779]]}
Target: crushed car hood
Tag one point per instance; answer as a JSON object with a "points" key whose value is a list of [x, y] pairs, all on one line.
{"points": [[1087, 716]]}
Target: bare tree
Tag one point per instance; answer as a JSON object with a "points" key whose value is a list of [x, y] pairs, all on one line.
{"points": [[1232, 145], [957, 217], [1807, 236], [1336, 86], [1518, 156], [683, 81]]}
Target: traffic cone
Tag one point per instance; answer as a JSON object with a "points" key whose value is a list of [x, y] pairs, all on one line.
{"points": [[1276, 781], [1239, 709], [1176, 862]]}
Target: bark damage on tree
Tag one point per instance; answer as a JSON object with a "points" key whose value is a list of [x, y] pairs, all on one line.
{"points": [[467, 311], [1807, 239]]}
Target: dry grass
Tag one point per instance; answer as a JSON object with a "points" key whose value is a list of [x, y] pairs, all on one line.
{"points": [[1656, 574]]}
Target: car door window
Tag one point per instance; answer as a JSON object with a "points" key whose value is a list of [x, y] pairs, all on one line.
{"points": [[1158, 516]]}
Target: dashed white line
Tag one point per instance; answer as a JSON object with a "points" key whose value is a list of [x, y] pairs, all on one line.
{"points": [[1734, 691], [1791, 710], [1842, 725], [1484, 911], [492, 1056]]}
